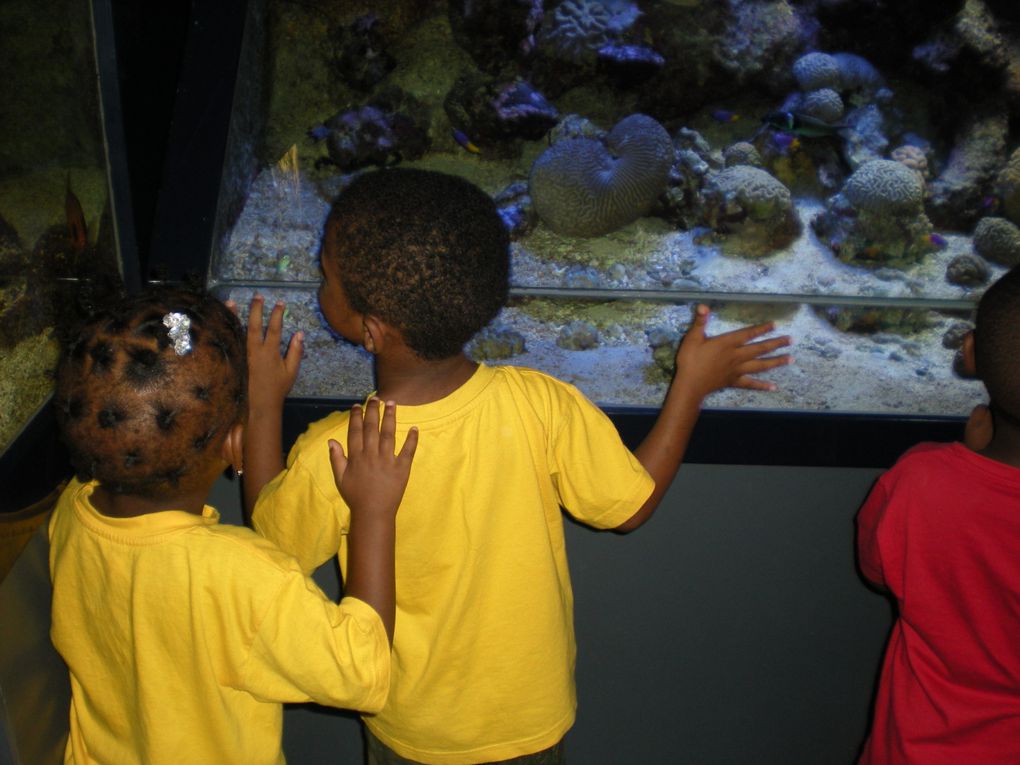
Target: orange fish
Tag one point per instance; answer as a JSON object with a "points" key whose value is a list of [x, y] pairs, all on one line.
{"points": [[77, 230]]}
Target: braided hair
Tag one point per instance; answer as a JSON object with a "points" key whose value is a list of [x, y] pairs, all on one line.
{"points": [[425, 251], [137, 416]]}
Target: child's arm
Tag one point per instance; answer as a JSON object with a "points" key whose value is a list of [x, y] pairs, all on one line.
{"points": [[270, 378], [703, 365], [371, 480]]}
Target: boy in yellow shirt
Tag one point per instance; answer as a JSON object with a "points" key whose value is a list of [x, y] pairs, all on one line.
{"points": [[182, 636], [414, 263]]}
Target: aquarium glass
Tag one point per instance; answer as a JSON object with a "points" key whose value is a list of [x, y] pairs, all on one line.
{"points": [[56, 238], [848, 170]]}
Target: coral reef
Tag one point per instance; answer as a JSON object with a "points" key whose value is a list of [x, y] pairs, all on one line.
{"points": [[997, 240], [391, 128], [957, 195], [498, 115], [753, 205], [878, 217], [583, 187]]}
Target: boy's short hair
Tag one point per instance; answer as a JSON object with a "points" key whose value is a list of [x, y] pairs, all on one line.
{"points": [[426, 252], [997, 342], [137, 416]]}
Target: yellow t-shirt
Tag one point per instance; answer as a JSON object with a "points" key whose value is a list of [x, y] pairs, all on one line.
{"points": [[483, 652], [183, 637]]}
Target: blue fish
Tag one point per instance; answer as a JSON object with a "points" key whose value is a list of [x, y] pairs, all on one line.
{"points": [[725, 115], [938, 240], [461, 137]]}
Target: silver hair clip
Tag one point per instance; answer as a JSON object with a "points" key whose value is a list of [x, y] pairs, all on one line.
{"points": [[178, 325]]}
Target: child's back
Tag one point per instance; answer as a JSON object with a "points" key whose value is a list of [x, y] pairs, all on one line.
{"points": [[414, 264], [182, 636], [941, 532]]}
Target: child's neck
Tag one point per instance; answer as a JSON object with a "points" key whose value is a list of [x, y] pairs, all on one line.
{"points": [[1005, 444], [411, 381], [130, 506]]}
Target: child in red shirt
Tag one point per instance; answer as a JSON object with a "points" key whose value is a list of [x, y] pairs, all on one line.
{"points": [[941, 532]]}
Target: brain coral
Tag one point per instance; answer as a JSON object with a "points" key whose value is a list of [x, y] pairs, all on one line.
{"points": [[824, 104], [997, 240], [760, 195], [817, 70], [857, 73], [885, 185], [582, 187]]}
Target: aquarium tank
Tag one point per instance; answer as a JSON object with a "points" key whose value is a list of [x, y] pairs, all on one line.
{"points": [[59, 247], [848, 169]]}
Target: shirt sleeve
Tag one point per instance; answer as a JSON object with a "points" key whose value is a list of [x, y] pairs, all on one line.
{"points": [[869, 520], [295, 513], [599, 480], [308, 648]]}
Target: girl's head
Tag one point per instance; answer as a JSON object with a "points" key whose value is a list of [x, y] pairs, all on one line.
{"points": [[141, 411]]}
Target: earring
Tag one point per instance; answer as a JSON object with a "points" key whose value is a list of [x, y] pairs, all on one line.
{"points": [[238, 472]]}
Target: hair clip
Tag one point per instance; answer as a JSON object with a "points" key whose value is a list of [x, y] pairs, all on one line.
{"points": [[178, 325]]}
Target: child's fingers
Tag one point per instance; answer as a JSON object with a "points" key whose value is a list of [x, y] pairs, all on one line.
{"points": [[337, 460], [407, 450], [699, 320], [387, 439], [355, 430], [763, 347], [255, 320], [275, 329], [745, 335], [232, 307], [750, 383], [292, 359], [370, 433]]}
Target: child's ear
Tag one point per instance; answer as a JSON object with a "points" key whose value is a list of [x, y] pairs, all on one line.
{"points": [[967, 352], [232, 450], [373, 333]]}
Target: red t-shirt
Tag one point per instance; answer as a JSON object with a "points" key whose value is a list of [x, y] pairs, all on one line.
{"points": [[941, 532]]}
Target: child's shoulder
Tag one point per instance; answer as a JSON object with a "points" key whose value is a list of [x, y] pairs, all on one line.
{"points": [[241, 547], [332, 426]]}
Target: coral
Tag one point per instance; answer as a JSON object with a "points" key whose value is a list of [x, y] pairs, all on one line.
{"points": [[857, 73], [870, 321], [757, 194], [913, 157], [392, 128], [957, 196], [752, 206], [817, 70], [582, 187], [577, 29], [823, 104], [1008, 186], [884, 185], [578, 336], [742, 153], [997, 240], [878, 218], [967, 271], [496, 343]]}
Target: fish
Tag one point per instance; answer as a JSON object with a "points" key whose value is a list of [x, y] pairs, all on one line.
{"points": [[990, 204], [77, 230], [461, 137], [785, 142], [938, 240], [800, 124], [725, 115]]}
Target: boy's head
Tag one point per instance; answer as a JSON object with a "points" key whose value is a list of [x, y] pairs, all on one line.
{"points": [[997, 343], [141, 413], [425, 252]]}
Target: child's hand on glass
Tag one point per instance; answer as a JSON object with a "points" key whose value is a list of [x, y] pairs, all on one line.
{"points": [[706, 364], [270, 375]]}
